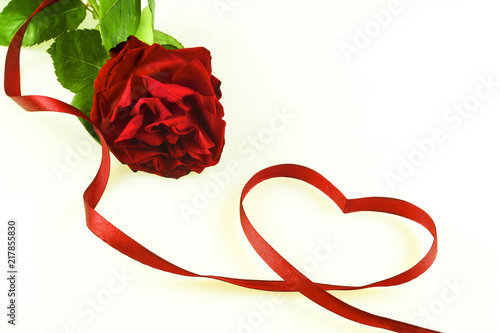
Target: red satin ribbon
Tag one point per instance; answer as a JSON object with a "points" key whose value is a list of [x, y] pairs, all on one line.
{"points": [[293, 280]]}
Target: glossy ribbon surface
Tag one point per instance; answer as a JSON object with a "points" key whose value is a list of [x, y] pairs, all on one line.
{"points": [[292, 279]]}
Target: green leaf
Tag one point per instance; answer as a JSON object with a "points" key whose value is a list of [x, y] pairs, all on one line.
{"points": [[83, 101], [167, 41], [49, 23], [78, 56], [119, 19], [145, 32]]}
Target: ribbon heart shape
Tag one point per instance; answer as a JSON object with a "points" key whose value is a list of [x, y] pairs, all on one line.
{"points": [[292, 279], [317, 292]]}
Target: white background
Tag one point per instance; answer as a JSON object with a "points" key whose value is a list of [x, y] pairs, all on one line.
{"points": [[354, 121]]}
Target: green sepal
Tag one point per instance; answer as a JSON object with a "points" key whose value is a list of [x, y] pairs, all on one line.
{"points": [[145, 31], [167, 41], [95, 9]]}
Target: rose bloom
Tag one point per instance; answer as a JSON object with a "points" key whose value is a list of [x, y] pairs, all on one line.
{"points": [[159, 109]]}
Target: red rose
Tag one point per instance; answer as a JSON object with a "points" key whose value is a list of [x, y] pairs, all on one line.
{"points": [[159, 109]]}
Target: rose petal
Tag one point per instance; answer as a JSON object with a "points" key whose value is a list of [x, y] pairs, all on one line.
{"points": [[184, 77]]}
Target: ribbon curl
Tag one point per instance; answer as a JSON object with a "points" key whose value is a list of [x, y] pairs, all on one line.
{"points": [[292, 279]]}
